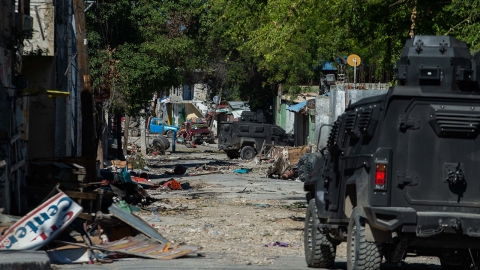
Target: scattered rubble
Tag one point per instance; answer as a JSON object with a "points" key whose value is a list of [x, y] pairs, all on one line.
{"points": [[71, 233], [122, 206]]}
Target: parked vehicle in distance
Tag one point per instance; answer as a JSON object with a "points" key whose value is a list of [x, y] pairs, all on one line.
{"points": [[158, 126], [246, 137], [201, 133], [195, 132], [399, 174]]}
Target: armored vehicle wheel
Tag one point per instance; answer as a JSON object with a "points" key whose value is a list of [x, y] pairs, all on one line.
{"points": [[247, 153], [307, 164], [232, 154], [319, 250], [460, 261], [361, 255]]}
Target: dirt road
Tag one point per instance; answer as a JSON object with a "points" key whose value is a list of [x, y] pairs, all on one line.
{"points": [[247, 218]]}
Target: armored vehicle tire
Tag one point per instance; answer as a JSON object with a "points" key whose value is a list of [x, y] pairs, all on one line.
{"points": [[460, 261], [319, 250], [307, 163], [232, 154], [361, 254], [247, 153]]}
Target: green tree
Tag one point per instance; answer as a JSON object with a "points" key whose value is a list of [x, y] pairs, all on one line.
{"points": [[153, 45]]}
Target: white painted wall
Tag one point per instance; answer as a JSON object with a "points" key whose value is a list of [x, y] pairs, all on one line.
{"points": [[328, 108], [42, 13]]}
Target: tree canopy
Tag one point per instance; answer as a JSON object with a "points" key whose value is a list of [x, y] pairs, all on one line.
{"points": [[248, 47]]}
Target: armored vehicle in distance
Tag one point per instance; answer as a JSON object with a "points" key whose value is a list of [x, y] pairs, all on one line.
{"points": [[245, 138], [400, 174]]}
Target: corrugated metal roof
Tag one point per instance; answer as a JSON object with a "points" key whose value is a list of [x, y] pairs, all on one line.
{"points": [[239, 105], [297, 107]]}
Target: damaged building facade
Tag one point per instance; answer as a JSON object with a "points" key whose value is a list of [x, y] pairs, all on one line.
{"points": [[39, 91]]}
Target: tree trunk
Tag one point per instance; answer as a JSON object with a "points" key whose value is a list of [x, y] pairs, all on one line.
{"points": [[126, 130]]}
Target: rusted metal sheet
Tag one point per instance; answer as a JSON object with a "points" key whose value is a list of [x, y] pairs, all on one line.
{"points": [[137, 223], [42, 224], [141, 246]]}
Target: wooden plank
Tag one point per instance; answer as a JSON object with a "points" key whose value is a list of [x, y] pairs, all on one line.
{"points": [[81, 195], [86, 216], [72, 194]]}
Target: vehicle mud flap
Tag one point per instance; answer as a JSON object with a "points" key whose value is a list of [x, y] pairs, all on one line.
{"points": [[396, 255]]}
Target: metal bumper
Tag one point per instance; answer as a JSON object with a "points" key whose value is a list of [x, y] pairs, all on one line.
{"points": [[423, 224]]}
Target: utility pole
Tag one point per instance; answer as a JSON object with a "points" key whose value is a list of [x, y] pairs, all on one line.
{"points": [[214, 116], [89, 150], [143, 146]]}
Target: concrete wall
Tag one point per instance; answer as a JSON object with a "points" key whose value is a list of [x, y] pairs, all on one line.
{"points": [[198, 91], [40, 71], [328, 108], [342, 97], [42, 13], [190, 108], [322, 117], [284, 118], [201, 92]]}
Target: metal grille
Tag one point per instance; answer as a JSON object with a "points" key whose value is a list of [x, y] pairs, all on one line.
{"points": [[364, 120], [350, 121], [457, 122]]}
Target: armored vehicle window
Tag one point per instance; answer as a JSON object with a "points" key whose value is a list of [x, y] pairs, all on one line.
{"points": [[276, 131], [243, 128], [259, 129]]}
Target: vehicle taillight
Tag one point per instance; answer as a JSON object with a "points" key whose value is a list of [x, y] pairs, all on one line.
{"points": [[380, 176]]}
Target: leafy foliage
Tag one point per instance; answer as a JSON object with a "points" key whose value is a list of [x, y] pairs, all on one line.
{"points": [[152, 45], [245, 48]]}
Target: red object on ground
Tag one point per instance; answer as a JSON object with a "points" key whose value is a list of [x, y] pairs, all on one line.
{"points": [[173, 184], [142, 181]]}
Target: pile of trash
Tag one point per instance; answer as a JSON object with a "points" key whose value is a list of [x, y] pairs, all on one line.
{"points": [[69, 232]]}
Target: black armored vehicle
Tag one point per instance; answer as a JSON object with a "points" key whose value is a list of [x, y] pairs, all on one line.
{"points": [[245, 137], [400, 175]]}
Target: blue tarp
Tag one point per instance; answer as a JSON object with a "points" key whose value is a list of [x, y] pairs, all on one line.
{"points": [[328, 66], [297, 107]]}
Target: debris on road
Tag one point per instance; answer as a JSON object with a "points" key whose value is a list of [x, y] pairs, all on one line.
{"points": [[141, 246], [278, 244], [41, 225], [95, 233], [242, 171], [172, 184], [285, 161]]}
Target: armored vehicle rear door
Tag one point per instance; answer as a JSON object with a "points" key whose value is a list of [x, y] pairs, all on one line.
{"points": [[442, 154], [226, 133]]}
